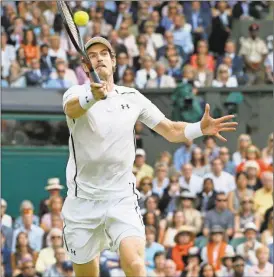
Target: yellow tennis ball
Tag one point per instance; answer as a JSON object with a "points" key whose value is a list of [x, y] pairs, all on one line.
{"points": [[81, 18]]}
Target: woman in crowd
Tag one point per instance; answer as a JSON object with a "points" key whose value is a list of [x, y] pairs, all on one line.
{"points": [[267, 152], [244, 141], [267, 235], [235, 196], [199, 162], [151, 218], [128, 79], [192, 263], [30, 46], [145, 188], [166, 157], [223, 78], [151, 205], [207, 270], [161, 181], [252, 170], [17, 75]]}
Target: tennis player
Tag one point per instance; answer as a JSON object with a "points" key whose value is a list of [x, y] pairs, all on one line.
{"points": [[101, 209]]}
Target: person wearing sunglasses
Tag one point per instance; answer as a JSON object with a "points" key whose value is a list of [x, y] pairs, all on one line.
{"points": [[239, 267], [28, 269]]}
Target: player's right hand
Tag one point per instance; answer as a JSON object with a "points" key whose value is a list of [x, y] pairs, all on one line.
{"points": [[99, 91]]}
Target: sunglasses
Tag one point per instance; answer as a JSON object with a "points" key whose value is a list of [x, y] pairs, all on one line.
{"points": [[249, 201], [239, 265], [221, 200], [61, 71], [56, 237]]}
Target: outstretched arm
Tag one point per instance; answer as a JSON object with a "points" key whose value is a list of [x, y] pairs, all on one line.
{"points": [[182, 131]]}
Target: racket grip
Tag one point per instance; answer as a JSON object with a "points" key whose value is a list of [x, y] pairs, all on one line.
{"points": [[96, 79]]}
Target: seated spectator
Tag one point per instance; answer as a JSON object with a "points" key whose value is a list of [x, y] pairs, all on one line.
{"points": [[28, 269], [267, 235], [220, 216], [170, 269], [174, 67], [30, 46], [216, 247], [207, 270], [171, 4], [22, 251], [206, 199], [170, 50], [56, 268], [16, 32], [192, 263], [189, 181], [156, 40], [26, 207], [55, 50], [204, 76], [17, 75], [254, 50], [7, 55], [223, 78], [8, 234], [151, 219], [263, 268], [162, 80], [110, 261], [246, 215], [266, 218], [161, 181], [199, 163], [169, 16], [46, 61], [182, 34], [227, 264], [44, 36], [113, 38], [60, 82], [182, 155], [159, 261], [128, 79], [133, 28], [121, 66], [202, 48], [229, 165], [248, 248], [222, 180], [211, 150], [151, 205], [244, 141], [245, 10], [35, 233], [122, 9], [152, 247], [46, 257], [156, 19], [269, 69], [21, 57], [236, 196], [263, 197], [267, 152], [192, 216], [35, 77], [252, 170], [6, 219], [184, 240], [166, 158], [145, 188], [6, 256], [145, 74], [239, 266]]}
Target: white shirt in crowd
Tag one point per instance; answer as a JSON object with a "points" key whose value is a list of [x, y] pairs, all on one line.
{"points": [[60, 53], [159, 190], [195, 184], [142, 77], [231, 82], [101, 144], [8, 56], [6, 220], [223, 183]]}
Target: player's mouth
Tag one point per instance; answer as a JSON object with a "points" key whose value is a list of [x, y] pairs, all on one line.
{"points": [[100, 66]]}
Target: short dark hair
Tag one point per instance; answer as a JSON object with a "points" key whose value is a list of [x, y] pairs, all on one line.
{"points": [[237, 258], [206, 138], [239, 174], [158, 254], [220, 193]]}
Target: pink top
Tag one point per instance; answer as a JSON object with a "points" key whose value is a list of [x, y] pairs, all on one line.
{"points": [[267, 271]]}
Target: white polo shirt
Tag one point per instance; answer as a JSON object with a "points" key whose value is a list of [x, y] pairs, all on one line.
{"points": [[102, 143]]}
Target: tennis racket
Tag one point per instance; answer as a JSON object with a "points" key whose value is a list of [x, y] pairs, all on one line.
{"points": [[75, 37]]}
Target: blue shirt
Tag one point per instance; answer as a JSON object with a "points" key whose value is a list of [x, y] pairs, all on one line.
{"points": [[182, 156], [183, 38], [19, 221], [35, 236], [230, 168], [57, 83], [271, 256], [150, 252], [195, 20]]}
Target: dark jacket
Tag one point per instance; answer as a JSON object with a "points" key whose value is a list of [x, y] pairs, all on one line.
{"points": [[237, 10], [210, 203]]}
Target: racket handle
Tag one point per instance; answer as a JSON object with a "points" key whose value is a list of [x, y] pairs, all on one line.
{"points": [[96, 79]]}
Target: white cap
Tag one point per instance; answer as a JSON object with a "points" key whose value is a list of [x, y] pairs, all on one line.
{"points": [[229, 253], [250, 226], [187, 194], [4, 202], [140, 152], [53, 183]]}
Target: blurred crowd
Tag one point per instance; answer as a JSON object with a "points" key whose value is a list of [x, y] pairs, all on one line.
{"points": [[158, 43], [208, 212]]}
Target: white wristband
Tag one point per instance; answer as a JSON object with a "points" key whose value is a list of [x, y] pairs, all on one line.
{"points": [[193, 130], [86, 100]]}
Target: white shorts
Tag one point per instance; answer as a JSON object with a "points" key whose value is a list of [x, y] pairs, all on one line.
{"points": [[91, 226]]}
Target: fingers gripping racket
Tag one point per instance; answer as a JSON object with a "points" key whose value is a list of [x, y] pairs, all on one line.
{"points": [[75, 36]]}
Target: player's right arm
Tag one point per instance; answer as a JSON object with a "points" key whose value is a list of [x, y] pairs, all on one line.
{"points": [[76, 102]]}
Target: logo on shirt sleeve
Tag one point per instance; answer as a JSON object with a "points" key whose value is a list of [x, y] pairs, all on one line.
{"points": [[126, 106]]}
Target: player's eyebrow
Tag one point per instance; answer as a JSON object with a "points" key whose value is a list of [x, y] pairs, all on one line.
{"points": [[98, 52]]}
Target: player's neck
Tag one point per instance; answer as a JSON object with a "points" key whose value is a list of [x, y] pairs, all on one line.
{"points": [[110, 84]]}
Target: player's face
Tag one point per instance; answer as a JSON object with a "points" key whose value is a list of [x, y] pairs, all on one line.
{"points": [[101, 60]]}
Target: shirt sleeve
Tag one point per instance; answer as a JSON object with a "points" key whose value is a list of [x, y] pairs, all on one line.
{"points": [[150, 115], [71, 93]]}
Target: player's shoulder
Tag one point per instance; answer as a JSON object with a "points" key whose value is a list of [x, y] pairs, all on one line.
{"points": [[122, 90], [75, 90]]}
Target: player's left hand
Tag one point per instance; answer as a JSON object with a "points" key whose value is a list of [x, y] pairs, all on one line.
{"points": [[213, 127]]}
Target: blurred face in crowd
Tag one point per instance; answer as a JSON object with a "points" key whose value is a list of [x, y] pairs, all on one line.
{"points": [[3, 39], [217, 237], [170, 268], [230, 47], [222, 6], [173, 60], [227, 61], [217, 166], [150, 218], [228, 263], [252, 172], [150, 236], [160, 69], [60, 255], [56, 204], [128, 76], [202, 47], [179, 21], [197, 154], [208, 271], [267, 181], [224, 154], [147, 62], [61, 71], [161, 172], [113, 36], [56, 221], [155, 17], [29, 36], [221, 202], [223, 74], [22, 239], [188, 72], [251, 152], [35, 64], [56, 239], [174, 185], [55, 42], [165, 158], [98, 16], [187, 203], [140, 160], [150, 29], [169, 37], [151, 204], [96, 28], [242, 181], [28, 269], [263, 255], [244, 141], [210, 143], [160, 262], [239, 266], [195, 5], [179, 218], [201, 61], [122, 59], [124, 31], [27, 220], [184, 238], [208, 185], [44, 51], [187, 171], [3, 209], [247, 204], [250, 234], [54, 192]]}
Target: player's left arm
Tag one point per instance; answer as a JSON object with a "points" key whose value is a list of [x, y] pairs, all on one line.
{"points": [[182, 131]]}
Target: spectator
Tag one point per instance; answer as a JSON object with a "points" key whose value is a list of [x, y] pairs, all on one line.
{"points": [[36, 77], [21, 252], [46, 61], [16, 33], [30, 46], [155, 18], [133, 28], [263, 197], [248, 248], [7, 55], [192, 263], [204, 76], [113, 38], [216, 248], [211, 150], [267, 152], [267, 235], [21, 57], [244, 141], [6, 219], [161, 181], [246, 214], [35, 233], [170, 269], [184, 240], [166, 158], [168, 18], [162, 80], [240, 270], [207, 198], [143, 169], [192, 216], [245, 10], [264, 268], [145, 188], [17, 75], [223, 78], [202, 48], [122, 65], [227, 264], [8, 234], [254, 51], [199, 163], [236, 196], [181, 33], [174, 67], [222, 180], [221, 28], [56, 51], [170, 50], [152, 247], [220, 216], [156, 40], [26, 207], [110, 262], [159, 261], [6, 255], [44, 36], [189, 181], [229, 165], [207, 270], [50, 12], [252, 170], [151, 205], [56, 269], [28, 269], [183, 155]]}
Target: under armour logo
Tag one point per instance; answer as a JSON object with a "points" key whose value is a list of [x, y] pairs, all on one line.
{"points": [[87, 99], [125, 106], [73, 252]]}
